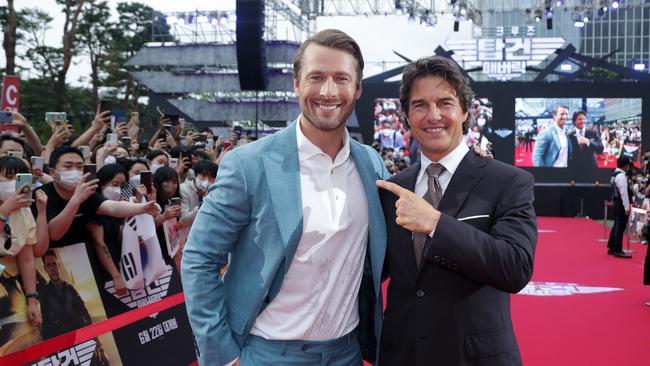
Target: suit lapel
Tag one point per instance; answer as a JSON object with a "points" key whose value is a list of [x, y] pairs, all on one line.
{"points": [[469, 172], [407, 179], [376, 222], [282, 171]]}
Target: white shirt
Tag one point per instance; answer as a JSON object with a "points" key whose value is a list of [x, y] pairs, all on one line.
{"points": [[621, 184], [318, 299], [450, 162], [563, 156]]}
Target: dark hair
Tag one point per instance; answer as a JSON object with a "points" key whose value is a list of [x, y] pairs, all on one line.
{"points": [[109, 171], [50, 253], [155, 153], [623, 160], [206, 167], [576, 114], [7, 137], [332, 38], [130, 162], [177, 150], [12, 165], [443, 68], [200, 153], [161, 175], [62, 150]]}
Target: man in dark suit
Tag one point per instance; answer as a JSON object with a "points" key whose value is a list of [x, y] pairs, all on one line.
{"points": [[455, 255], [586, 143]]}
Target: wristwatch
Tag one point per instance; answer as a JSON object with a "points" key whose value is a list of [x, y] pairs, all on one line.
{"points": [[32, 294]]}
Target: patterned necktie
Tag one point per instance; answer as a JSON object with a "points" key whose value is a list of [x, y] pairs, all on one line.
{"points": [[433, 196]]}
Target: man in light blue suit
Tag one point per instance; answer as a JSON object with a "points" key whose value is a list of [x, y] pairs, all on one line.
{"points": [[553, 147], [300, 214]]}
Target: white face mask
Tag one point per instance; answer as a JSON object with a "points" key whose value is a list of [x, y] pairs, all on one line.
{"points": [[7, 189], [481, 122], [112, 193], [70, 179], [386, 132], [201, 184], [135, 180], [111, 159], [155, 167]]}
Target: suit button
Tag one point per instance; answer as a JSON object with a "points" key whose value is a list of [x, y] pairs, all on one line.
{"points": [[304, 347], [420, 293]]}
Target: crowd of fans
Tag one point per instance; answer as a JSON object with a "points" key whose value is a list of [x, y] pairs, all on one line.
{"points": [[85, 185]]}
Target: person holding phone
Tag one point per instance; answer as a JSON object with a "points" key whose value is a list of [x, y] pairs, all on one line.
{"points": [[299, 213], [165, 180], [101, 122], [71, 199], [22, 236], [134, 187], [105, 231]]}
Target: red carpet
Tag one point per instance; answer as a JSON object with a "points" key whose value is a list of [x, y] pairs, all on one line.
{"points": [[582, 322], [601, 328]]}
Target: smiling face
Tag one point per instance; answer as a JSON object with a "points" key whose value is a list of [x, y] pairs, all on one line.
{"points": [[327, 88], [580, 121], [560, 116], [435, 116]]}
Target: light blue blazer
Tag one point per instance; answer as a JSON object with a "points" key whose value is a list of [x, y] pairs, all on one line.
{"points": [[547, 147], [254, 211]]}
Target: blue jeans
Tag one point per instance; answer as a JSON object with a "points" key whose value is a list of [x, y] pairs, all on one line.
{"points": [[344, 351]]}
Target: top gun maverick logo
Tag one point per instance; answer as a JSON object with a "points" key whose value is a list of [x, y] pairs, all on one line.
{"points": [[506, 56]]}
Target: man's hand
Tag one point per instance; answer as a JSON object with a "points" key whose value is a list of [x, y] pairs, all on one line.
{"points": [[413, 212], [583, 140], [84, 189], [34, 312], [41, 201]]}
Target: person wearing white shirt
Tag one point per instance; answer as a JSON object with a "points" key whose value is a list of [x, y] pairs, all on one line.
{"points": [[621, 207], [552, 147], [299, 213]]}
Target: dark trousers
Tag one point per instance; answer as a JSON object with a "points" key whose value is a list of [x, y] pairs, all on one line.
{"points": [[615, 243]]}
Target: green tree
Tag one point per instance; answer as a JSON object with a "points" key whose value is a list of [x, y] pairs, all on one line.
{"points": [[95, 36]]}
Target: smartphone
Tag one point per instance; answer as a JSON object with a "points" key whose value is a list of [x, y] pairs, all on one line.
{"points": [[210, 144], [105, 105], [175, 201], [126, 141], [145, 178], [168, 127], [227, 144], [6, 126], [5, 117], [173, 118], [173, 163], [92, 169], [203, 137], [85, 151], [111, 137], [50, 117], [15, 154], [38, 162], [24, 184]]}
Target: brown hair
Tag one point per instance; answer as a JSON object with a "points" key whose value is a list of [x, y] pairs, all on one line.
{"points": [[441, 67], [332, 38], [576, 114]]}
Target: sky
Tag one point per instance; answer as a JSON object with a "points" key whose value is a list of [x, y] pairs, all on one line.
{"points": [[378, 36]]}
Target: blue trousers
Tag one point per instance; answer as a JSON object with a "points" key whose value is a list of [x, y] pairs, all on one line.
{"points": [[344, 351]]}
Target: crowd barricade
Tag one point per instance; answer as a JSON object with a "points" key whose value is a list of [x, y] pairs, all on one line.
{"points": [[144, 326]]}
